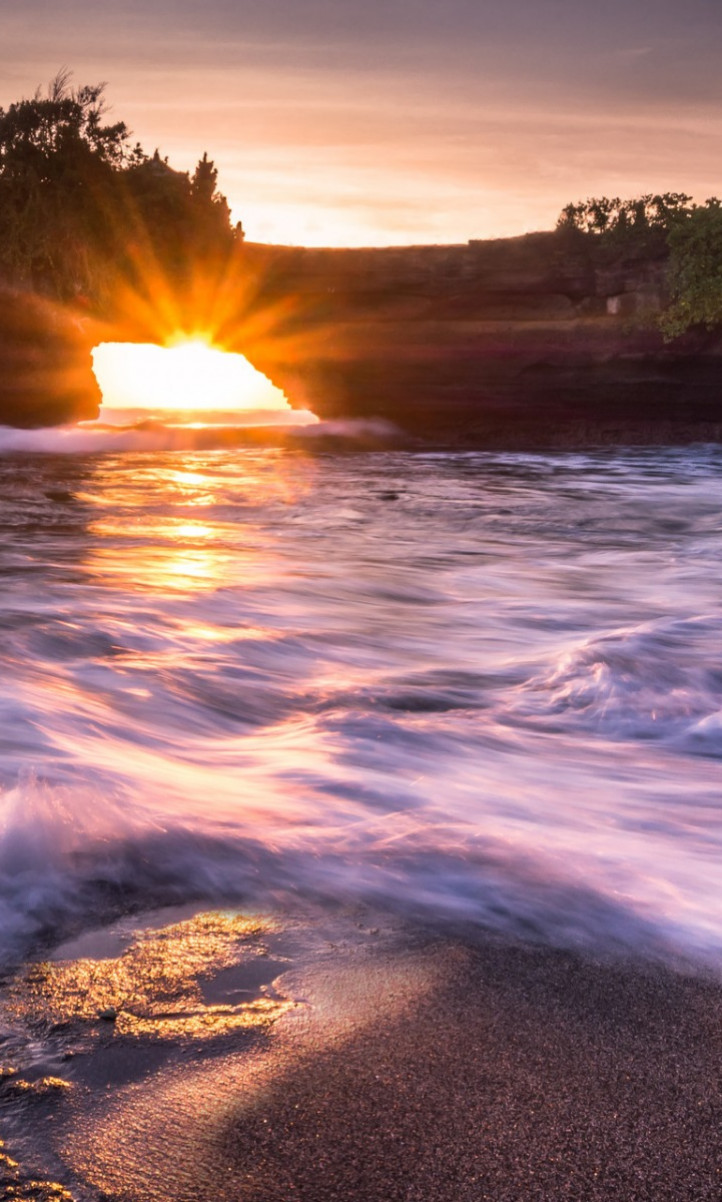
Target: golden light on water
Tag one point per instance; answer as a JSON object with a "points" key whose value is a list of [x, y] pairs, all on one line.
{"points": [[188, 375], [155, 984]]}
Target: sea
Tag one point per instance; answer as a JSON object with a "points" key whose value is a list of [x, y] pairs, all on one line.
{"points": [[480, 690]]}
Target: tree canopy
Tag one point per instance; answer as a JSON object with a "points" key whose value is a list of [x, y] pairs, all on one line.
{"points": [[79, 202], [694, 275], [688, 235], [617, 218]]}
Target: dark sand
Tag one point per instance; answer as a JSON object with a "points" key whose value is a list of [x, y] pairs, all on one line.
{"points": [[420, 1069]]}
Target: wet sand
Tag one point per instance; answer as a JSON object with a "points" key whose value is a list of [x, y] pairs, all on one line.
{"points": [[405, 1066]]}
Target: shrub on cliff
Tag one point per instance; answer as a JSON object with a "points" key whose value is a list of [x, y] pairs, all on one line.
{"points": [[689, 235], [694, 274], [57, 161], [169, 217]]}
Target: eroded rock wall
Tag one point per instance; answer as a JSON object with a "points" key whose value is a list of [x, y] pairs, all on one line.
{"points": [[537, 340], [46, 371], [534, 341]]}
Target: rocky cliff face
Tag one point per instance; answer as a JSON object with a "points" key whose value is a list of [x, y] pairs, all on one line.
{"points": [[534, 341], [528, 341], [46, 373]]}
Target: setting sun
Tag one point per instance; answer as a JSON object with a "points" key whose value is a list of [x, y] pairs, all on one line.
{"points": [[187, 375]]}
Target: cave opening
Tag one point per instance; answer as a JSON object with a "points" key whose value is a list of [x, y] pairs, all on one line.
{"points": [[187, 382]]}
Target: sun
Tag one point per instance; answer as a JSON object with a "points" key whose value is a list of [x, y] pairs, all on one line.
{"points": [[188, 374]]}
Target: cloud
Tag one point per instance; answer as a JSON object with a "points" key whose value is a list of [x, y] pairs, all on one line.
{"points": [[397, 119]]}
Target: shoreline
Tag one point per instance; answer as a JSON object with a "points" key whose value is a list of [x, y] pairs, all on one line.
{"points": [[388, 1062], [357, 436]]}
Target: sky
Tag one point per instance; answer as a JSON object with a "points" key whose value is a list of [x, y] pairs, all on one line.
{"points": [[381, 122]]}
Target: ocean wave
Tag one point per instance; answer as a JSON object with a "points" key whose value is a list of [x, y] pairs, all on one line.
{"points": [[156, 435], [651, 681], [68, 865], [405, 679]]}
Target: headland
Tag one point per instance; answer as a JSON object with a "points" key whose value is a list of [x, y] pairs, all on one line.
{"points": [[535, 341]]}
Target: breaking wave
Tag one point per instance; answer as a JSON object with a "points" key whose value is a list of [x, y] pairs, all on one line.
{"points": [[55, 884], [153, 434], [654, 681]]}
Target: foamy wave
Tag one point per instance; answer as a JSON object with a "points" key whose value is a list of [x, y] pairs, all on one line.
{"points": [[152, 435], [67, 861], [705, 736], [65, 869], [650, 681]]}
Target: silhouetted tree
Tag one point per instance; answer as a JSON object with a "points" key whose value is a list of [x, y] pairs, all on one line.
{"points": [[638, 225], [57, 162], [210, 211], [80, 206]]}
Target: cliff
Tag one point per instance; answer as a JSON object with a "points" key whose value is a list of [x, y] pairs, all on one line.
{"points": [[46, 374], [533, 341], [538, 340]]}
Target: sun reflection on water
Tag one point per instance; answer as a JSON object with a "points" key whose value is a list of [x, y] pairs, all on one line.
{"points": [[144, 532], [161, 566]]}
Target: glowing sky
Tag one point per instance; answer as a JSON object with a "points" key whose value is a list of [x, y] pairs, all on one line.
{"points": [[395, 121]]}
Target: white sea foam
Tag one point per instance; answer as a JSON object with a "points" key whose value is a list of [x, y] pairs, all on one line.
{"points": [[61, 874], [215, 432], [650, 681]]}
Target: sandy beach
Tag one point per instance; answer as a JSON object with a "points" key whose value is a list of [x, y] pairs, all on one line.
{"points": [[381, 1063]]}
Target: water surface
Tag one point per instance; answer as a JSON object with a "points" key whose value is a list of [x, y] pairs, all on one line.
{"points": [[471, 686]]}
